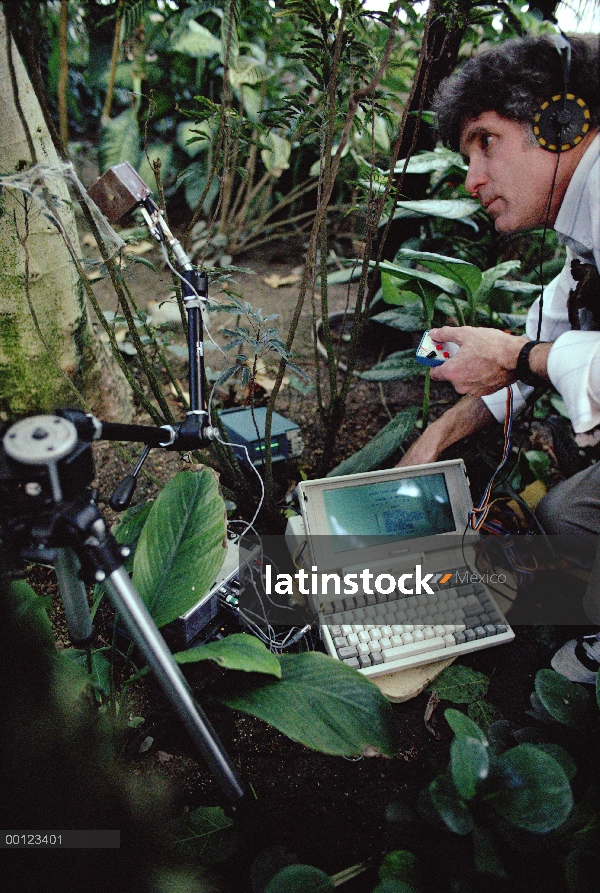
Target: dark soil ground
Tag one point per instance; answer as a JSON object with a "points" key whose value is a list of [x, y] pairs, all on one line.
{"points": [[330, 812]]}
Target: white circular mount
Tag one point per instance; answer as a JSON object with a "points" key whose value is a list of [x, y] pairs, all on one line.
{"points": [[40, 440]]}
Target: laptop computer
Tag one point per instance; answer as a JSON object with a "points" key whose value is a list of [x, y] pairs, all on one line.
{"points": [[392, 560]]}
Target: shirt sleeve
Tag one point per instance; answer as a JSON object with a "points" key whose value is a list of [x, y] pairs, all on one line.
{"points": [[574, 370], [555, 322]]}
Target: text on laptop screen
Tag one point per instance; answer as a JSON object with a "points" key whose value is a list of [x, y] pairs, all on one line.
{"points": [[388, 510]]}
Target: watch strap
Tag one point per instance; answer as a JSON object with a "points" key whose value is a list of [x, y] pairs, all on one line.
{"points": [[523, 370]]}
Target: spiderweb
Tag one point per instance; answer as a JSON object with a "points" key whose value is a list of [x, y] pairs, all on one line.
{"points": [[37, 183]]}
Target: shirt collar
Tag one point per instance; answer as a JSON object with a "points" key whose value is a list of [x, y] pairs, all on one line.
{"points": [[571, 225]]}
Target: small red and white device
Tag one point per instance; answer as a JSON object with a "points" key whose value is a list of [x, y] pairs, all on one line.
{"points": [[434, 353]]}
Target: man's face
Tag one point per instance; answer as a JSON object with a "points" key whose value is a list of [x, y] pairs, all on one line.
{"points": [[511, 175]]}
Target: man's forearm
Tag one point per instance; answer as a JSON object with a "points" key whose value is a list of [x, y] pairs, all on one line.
{"points": [[466, 417]]}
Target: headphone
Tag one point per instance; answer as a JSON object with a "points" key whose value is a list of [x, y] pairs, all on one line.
{"points": [[563, 120]]}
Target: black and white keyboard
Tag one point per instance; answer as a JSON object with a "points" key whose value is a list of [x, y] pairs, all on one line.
{"points": [[379, 635]]}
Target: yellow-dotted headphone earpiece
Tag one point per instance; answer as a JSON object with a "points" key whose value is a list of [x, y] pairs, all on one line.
{"points": [[561, 122]]}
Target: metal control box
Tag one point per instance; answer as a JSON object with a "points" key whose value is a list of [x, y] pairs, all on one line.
{"points": [[243, 429]]}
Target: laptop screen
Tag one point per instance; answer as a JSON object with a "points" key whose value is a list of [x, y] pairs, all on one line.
{"points": [[387, 511], [379, 513]]}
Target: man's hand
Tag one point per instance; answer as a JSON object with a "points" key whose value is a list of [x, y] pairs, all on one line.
{"points": [[486, 361]]}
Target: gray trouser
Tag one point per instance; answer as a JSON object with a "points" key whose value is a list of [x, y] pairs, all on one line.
{"points": [[573, 507]]}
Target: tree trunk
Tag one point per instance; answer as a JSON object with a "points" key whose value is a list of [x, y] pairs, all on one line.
{"points": [[48, 351]]}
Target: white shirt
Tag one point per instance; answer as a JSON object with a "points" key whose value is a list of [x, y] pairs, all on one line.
{"points": [[574, 359]]}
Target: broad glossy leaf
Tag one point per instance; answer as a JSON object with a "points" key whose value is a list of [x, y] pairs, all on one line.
{"points": [[444, 283], [381, 446], [450, 209], [469, 764], [462, 726], [562, 757], [205, 835], [567, 702], [238, 651], [464, 274], [536, 794], [323, 704], [409, 319], [491, 277], [453, 810], [276, 158], [300, 879], [398, 366], [193, 137], [181, 546], [440, 159], [198, 42]]}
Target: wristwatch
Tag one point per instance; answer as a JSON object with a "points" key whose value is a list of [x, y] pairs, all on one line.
{"points": [[523, 370]]}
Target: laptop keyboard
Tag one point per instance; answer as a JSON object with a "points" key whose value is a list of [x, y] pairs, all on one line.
{"points": [[378, 635]]}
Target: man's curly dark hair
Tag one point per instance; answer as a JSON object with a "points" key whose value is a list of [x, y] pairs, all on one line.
{"points": [[513, 79]]}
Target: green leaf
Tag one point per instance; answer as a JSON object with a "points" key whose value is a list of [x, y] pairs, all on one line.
{"points": [[129, 529], [323, 704], [539, 463], [485, 854], [567, 702], [444, 283], [180, 549], [410, 319], [393, 294], [120, 141], [381, 446], [29, 611], [300, 879], [276, 157], [461, 685], [193, 137], [483, 714], [205, 835], [402, 865], [469, 764], [464, 727], [440, 160], [537, 794], [466, 275], [490, 279], [399, 366], [162, 152], [238, 651], [450, 209], [395, 885], [561, 756], [349, 274], [198, 42], [100, 672], [453, 810]]}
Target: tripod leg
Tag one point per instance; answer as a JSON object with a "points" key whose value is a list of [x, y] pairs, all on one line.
{"points": [[145, 634], [74, 599]]}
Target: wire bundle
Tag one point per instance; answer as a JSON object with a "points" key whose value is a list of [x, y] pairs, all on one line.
{"points": [[478, 514]]}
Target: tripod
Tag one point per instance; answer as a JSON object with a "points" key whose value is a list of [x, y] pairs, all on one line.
{"points": [[47, 514]]}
